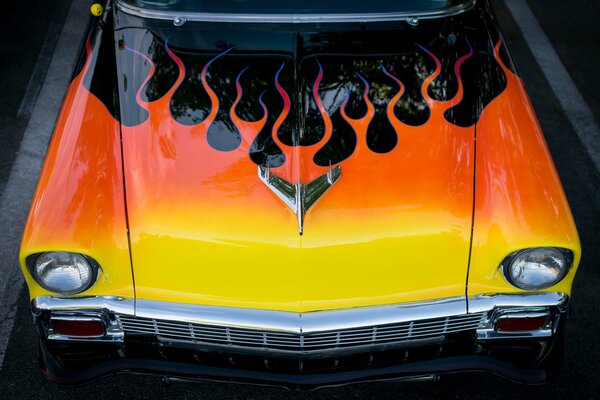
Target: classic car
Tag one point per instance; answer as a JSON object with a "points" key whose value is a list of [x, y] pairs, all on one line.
{"points": [[298, 194]]}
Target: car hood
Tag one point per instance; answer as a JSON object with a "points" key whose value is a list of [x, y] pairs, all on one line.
{"points": [[300, 169]]}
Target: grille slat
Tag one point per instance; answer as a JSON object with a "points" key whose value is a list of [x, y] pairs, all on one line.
{"points": [[259, 344], [194, 333], [382, 333], [406, 326], [386, 336]]}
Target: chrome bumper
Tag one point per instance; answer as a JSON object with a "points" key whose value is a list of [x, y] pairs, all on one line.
{"points": [[303, 332]]}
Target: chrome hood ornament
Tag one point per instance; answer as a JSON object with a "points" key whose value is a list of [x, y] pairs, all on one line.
{"points": [[300, 197]]}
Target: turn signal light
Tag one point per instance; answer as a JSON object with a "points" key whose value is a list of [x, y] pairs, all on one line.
{"points": [[521, 324], [81, 328]]}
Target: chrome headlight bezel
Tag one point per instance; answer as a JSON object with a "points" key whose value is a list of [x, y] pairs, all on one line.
{"points": [[94, 269], [508, 262]]}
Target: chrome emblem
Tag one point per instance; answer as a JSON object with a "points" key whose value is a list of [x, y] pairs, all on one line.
{"points": [[300, 197]]}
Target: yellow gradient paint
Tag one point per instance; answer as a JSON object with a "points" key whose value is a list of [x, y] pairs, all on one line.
{"points": [[266, 264], [204, 228], [519, 201]]}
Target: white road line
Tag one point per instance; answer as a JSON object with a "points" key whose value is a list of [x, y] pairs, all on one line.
{"points": [[41, 66], [572, 102], [19, 189]]}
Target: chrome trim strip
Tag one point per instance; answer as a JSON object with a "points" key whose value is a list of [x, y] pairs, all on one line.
{"points": [[113, 331], [120, 305], [301, 323], [553, 305], [313, 354], [488, 332], [281, 321], [293, 18], [269, 320], [323, 342], [488, 302]]}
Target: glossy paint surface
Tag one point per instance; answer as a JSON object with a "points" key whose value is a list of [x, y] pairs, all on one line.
{"points": [[204, 229], [519, 200], [202, 107], [401, 123], [79, 203]]}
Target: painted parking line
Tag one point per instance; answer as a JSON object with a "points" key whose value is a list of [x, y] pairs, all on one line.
{"points": [[577, 111], [41, 66], [19, 189]]}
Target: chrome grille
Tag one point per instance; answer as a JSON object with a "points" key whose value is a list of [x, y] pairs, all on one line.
{"points": [[291, 342]]}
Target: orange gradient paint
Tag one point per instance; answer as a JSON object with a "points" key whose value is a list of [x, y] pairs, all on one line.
{"points": [[206, 230], [79, 204], [519, 199], [362, 124], [300, 165], [248, 129]]}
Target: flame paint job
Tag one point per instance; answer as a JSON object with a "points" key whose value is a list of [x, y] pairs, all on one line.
{"points": [[200, 108], [228, 219]]}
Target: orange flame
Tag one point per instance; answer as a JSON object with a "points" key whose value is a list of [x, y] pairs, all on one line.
{"points": [[361, 125], [303, 168], [248, 129]]}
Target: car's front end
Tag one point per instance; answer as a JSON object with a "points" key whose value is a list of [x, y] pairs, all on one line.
{"points": [[303, 200], [516, 336]]}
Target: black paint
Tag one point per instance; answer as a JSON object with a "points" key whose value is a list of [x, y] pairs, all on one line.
{"points": [[190, 103], [260, 84], [133, 70], [454, 46], [482, 76], [341, 52], [100, 78], [165, 76]]}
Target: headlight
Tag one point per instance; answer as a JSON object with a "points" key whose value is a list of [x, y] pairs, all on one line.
{"points": [[63, 273], [537, 268]]}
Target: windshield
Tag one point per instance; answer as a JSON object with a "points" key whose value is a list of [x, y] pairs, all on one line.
{"points": [[298, 7]]}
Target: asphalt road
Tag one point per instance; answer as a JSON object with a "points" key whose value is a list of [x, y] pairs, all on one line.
{"points": [[572, 28], [24, 25]]}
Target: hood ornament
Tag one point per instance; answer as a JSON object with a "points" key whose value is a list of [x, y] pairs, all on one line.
{"points": [[299, 196]]}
